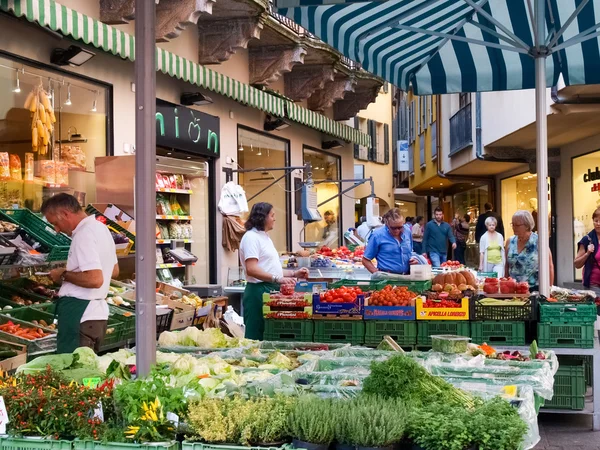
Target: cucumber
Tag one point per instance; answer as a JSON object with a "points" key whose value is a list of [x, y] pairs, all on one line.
{"points": [[5, 354]]}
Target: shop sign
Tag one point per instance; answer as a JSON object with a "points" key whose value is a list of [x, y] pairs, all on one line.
{"points": [[595, 187], [402, 147], [186, 129], [591, 176]]}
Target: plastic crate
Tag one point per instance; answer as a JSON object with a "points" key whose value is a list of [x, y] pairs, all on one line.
{"points": [[426, 329], [479, 311], [17, 286], [569, 386], [289, 330], [114, 339], [163, 321], [461, 312], [127, 318], [403, 332], [565, 336], [389, 313], [93, 445], [201, 446], [578, 313], [29, 314], [355, 308], [508, 333], [348, 331], [364, 285], [417, 287], [57, 243], [90, 209], [37, 444]]}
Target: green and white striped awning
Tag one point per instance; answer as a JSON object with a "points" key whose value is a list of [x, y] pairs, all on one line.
{"points": [[69, 22]]}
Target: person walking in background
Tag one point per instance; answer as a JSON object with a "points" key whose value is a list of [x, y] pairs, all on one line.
{"points": [[492, 256], [417, 235], [481, 228], [461, 233], [408, 224], [435, 239], [588, 256]]}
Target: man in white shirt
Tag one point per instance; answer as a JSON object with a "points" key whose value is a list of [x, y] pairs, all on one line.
{"points": [[81, 310]]}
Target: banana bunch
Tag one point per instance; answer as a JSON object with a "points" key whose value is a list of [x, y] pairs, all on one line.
{"points": [[42, 119]]}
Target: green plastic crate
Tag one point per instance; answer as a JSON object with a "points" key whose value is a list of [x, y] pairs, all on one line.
{"points": [[364, 285], [28, 314], [90, 209], [565, 336], [577, 313], [414, 286], [508, 333], [58, 244], [115, 338], [428, 328], [17, 286], [37, 444], [93, 445], [569, 386], [350, 331], [127, 318], [289, 330], [201, 446], [538, 402], [404, 332]]}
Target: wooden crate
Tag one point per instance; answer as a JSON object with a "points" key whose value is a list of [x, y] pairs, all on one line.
{"points": [[14, 362]]}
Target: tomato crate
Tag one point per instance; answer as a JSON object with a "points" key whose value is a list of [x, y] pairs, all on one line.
{"points": [[289, 330], [569, 386], [57, 244], [297, 297], [287, 312], [364, 285], [499, 332], [577, 313], [95, 445], [480, 311], [459, 313], [389, 313], [37, 444], [426, 329], [355, 308], [403, 332], [417, 287], [565, 335], [349, 331]]}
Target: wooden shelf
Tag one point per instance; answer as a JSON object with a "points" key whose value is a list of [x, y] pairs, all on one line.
{"points": [[175, 191], [168, 241], [158, 217]]}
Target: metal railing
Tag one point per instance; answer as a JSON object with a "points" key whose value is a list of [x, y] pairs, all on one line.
{"points": [[461, 130]]}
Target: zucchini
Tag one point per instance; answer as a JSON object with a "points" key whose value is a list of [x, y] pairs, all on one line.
{"points": [[5, 354]]}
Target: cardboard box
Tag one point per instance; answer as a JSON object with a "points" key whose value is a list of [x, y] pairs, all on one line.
{"points": [[390, 313], [168, 290], [459, 313], [183, 315], [420, 272], [15, 361], [354, 308]]}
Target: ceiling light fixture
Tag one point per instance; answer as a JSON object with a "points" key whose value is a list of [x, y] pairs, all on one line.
{"points": [[95, 104], [68, 101], [17, 88], [327, 145], [72, 56], [275, 123], [241, 149], [50, 92], [194, 98], [259, 152]]}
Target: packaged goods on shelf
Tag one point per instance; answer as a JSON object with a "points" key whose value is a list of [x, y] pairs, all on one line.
{"points": [[72, 155], [4, 166], [15, 168], [28, 167]]}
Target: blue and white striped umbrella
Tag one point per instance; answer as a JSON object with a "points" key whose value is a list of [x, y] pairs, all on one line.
{"points": [[445, 46]]}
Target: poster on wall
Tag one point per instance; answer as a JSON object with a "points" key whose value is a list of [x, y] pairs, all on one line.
{"points": [[402, 156]]}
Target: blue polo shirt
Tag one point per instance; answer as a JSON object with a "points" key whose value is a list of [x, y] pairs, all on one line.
{"points": [[392, 255]]}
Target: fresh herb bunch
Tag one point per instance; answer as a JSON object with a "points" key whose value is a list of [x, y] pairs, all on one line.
{"points": [[496, 425], [371, 421], [313, 419], [403, 378], [268, 421], [440, 426]]}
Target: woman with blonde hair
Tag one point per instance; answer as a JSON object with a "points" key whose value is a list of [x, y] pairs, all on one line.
{"points": [[491, 249]]}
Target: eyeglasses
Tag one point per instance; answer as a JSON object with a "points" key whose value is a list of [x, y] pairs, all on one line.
{"points": [[395, 228], [516, 224]]}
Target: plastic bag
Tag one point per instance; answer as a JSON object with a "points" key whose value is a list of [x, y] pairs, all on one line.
{"points": [[233, 200]]}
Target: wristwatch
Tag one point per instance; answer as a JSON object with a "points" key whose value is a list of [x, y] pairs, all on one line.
{"points": [[63, 276]]}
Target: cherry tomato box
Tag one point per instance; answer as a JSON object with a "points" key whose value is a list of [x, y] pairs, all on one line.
{"points": [[343, 300], [428, 309], [391, 303]]}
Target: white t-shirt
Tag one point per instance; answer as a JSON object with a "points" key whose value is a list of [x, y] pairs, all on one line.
{"points": [[92, 248], [258, 245]]}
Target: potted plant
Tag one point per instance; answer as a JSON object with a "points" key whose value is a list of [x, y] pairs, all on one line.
{"points": [[267, 424], [371, 422], [311, 423], [439, 426]]}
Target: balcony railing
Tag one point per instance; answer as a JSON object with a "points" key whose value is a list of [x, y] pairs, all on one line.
{"points": [[461, 130]]}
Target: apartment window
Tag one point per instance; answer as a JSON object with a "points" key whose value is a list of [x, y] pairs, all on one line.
{"points": [[422, 150], [464, 100], [359, 171], [411, 122], [425, 113], [431, 116], [433, 131], [360, 151], [411, 159]]}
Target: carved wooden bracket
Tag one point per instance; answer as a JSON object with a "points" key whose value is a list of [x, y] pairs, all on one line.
{"points": [[219, 39], [172, 16], [115, 12], [332, 92], [303, 81], [267, 64], [354, 102]]}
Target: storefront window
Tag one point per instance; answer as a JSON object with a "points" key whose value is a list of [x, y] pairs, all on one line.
{"points": [[407, 209], [258, 152], [52, 127], [325, 167], [586, 197], [520, 192]]}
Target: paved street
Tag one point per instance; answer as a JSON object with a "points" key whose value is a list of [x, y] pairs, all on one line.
{"points": [[567, 432]]}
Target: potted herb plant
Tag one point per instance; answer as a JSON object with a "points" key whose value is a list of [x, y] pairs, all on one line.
{"points": [[439, 426], [311, 423]]}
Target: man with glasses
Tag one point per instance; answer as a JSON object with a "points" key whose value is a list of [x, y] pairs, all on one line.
{"points": [[391, 245]]}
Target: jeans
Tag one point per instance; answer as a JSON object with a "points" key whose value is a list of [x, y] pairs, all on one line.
{"points": [[491, 267], [459, 252], [437, 259], [418, 247]]}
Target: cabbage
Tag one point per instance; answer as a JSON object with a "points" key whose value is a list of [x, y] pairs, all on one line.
{"points": [[281, 361], [189, 337], [167, 358], [268, 367], [39, 364], [103, 363], [211, 338], [183, 365], [200, 369], [87, 357], [209, 383], [167, 339], [257, 376]]}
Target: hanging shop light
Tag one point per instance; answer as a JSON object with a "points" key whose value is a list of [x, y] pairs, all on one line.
{"points": [[68, 101], [95, 104], [17, 88], [241, 149], [259, 152], [50, 91]]}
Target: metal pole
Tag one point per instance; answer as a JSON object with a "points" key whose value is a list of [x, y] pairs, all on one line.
{"points": [[542, 151], [145, 188]]}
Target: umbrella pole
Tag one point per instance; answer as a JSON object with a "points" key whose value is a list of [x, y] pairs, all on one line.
{"points": [[542, 152], [145, 189]]}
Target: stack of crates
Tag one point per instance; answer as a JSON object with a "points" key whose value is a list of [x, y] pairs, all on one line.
{"points": [[288, 318], [569, 325], [569, 384]]}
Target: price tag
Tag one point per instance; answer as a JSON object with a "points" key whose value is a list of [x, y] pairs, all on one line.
{"points": [[3, 416], [173, 418], [92, 382], [99, 412]]}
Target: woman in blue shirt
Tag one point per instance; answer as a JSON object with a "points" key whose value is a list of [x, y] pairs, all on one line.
{"points": [[391, 245]]}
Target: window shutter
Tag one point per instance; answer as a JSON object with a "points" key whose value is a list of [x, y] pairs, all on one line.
{"points": [[356, 146], [373, 134], [418, 114], [386, 143]]}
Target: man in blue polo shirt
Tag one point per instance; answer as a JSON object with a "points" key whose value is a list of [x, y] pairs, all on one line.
{"points": [[391, 245]]}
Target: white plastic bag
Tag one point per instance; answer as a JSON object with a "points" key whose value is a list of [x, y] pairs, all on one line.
{"points": [[233, 200]]}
